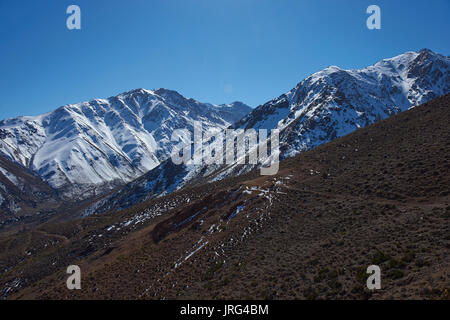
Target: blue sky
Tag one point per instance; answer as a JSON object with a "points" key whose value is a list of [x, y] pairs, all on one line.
{"points": [[215, 51]]}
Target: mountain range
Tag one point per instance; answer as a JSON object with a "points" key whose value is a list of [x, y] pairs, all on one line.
{"points": [[326, 105], [123, 143], [363, 180], [85, 149], [378, 196]]}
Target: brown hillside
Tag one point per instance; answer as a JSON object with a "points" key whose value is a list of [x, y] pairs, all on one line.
{"points": [[377, 196]]}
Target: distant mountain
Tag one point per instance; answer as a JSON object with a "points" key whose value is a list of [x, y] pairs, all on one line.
{"points": [[328, 104], [86, 148]]}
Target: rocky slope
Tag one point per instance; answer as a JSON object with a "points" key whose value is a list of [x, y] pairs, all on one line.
{"points": [[23, 193]]}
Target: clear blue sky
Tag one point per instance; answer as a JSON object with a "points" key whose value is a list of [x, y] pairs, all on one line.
{"points": [[215, 51]]}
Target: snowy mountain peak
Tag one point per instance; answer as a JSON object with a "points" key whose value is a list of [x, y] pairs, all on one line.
{"points": [[332, 69], [167, 93], [333, 102], [85, 148]]}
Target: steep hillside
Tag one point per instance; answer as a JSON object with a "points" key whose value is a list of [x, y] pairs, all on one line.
{"points": [[22, 193], [377, 196]]}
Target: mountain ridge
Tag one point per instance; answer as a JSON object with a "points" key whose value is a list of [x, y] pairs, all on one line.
{"points": [[325, 105], [86, 148]]}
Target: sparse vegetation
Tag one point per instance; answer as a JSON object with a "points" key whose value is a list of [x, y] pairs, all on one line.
{"points": [[306, 237]]}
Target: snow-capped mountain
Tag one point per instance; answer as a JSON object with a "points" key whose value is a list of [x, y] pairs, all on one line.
{"points": [[83, 149], [334, 102], [328, 104]]}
